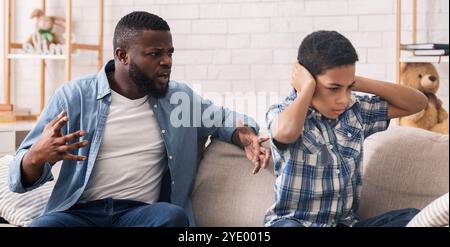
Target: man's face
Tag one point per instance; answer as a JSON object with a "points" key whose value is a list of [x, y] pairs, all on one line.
{"points": [[333, 91], [151, 62]]}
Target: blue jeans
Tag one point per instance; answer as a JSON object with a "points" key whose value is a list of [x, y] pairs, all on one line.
{"points": [[395, 218], [115, 213]]}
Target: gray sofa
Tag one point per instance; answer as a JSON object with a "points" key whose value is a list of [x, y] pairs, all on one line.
{"points": [[403, 167]]}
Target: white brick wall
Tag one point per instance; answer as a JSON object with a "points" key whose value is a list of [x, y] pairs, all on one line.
{"points": [[243, 46]]}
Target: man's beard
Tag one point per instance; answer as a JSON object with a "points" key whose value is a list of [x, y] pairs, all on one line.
{"points": [[145, 84]]}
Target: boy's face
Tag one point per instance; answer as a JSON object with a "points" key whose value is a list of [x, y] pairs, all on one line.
{"points": [[333, 91]]}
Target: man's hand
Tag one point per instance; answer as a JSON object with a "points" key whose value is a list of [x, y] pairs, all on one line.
{"points": [[301, 77], [53, 147], [257, 154]]}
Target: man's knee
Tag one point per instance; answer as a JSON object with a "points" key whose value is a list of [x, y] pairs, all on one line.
{"points": [[173, 216], [47, 221]]}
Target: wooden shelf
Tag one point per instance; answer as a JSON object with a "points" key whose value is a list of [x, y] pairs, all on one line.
{"points": [[17, 126], [406, 56], [36, 56], [424, 59], [12, 135], [69, 49]]}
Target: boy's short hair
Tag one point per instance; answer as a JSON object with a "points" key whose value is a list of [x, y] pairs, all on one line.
{"points": [[323, 50]]}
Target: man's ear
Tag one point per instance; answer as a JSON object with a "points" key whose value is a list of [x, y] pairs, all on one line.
{"points": [[121, 55]]}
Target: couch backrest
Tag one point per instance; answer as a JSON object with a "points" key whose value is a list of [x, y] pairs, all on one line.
{"points": [[226, 192], [403, 167]]}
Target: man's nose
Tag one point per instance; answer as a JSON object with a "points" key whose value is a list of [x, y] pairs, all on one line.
{"points": [[166, 60]]}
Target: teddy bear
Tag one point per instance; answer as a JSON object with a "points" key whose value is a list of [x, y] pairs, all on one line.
{"points": [[425, 78], [50, 28]]}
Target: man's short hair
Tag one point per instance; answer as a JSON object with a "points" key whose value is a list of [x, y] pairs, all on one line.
{"points": [[323, 50], [132, 25]]}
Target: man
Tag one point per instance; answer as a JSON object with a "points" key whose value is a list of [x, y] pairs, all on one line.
{"points": [[123, 150]]}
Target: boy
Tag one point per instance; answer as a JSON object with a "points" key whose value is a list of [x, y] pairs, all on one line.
{"points": [[317, 136]]}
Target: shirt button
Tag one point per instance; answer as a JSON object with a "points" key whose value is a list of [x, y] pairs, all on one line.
{"points": [[155, 106], [349, 134], [170, 157], [173, 182], [330, 146], [337, 171], [163, 131]]}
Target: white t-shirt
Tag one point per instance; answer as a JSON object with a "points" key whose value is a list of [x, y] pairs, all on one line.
{"points": [[130, 163]]}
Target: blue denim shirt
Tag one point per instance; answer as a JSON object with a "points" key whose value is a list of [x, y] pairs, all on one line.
{"points": [[86, 102]]}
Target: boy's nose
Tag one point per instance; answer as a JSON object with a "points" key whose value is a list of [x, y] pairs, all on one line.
{"points": [[343, 101]]}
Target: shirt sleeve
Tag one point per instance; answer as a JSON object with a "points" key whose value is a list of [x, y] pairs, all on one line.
{"points": [[51, 110], [374, 114], [272, 115]]}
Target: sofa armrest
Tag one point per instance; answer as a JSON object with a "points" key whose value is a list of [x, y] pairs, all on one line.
{"points": [[226, 192], [402, 168]]}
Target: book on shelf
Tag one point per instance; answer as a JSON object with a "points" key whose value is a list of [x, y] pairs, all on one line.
{"points": [[424, 46], [441, 52], [7, 117], [6, 107], [22, 111], [11, 114]]}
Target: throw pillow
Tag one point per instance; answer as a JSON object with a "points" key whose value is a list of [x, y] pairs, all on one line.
{"points": [[21, 209], [434, 214]]}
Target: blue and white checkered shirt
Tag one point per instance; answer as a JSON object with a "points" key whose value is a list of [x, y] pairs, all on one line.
{"points": [[319, 177]]}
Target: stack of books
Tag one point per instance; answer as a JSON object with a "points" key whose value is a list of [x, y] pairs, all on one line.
{"points": [[427, 49], [7, 113]]}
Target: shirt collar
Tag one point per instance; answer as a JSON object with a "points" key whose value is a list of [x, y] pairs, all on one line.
{"points": [[352, 101], [103, 88], [313, 113]]}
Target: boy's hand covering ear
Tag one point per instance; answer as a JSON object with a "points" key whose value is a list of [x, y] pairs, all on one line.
{"points": [[301, 77]]}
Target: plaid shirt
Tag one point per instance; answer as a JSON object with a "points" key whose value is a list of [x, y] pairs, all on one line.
{"points": [[319, 177]]}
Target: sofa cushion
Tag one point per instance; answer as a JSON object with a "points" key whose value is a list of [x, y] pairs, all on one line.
{"points": [[20, 209], [403, 167], [226, 192]]}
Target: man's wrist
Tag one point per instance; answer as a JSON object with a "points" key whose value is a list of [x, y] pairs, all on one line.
{"points": [[32, 159], [239, 133], [235, 139]]}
